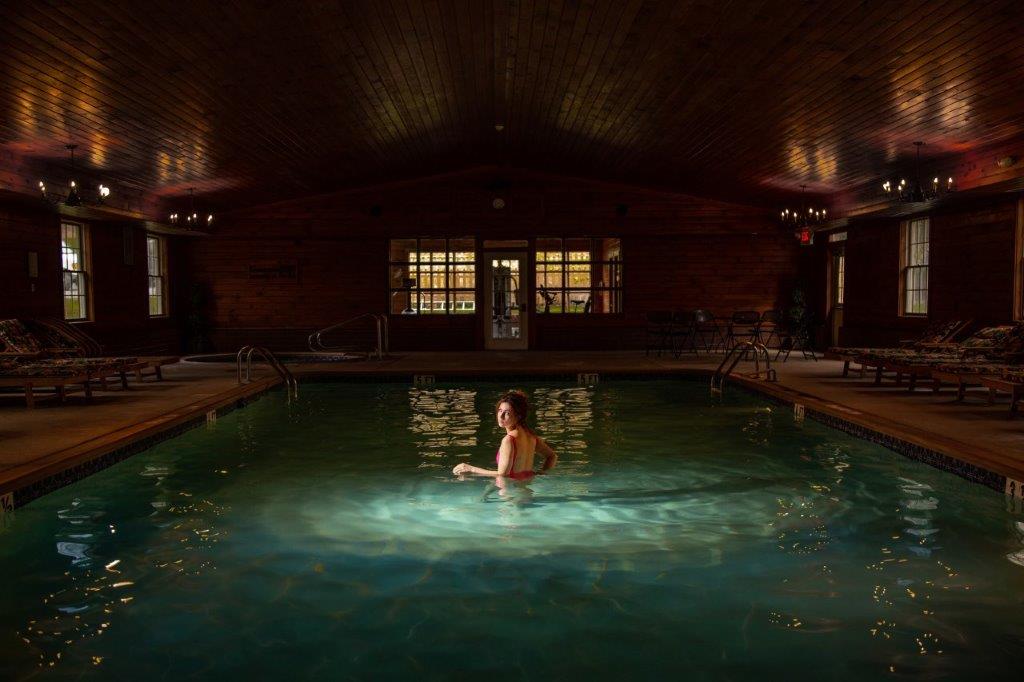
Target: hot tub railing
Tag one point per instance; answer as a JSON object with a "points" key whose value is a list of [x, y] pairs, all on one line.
{"points": [[380, 321], [733, 357], [290, 382]]}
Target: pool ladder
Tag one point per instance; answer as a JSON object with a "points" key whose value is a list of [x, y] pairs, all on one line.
{"points": [[290, 383], [380, 321], [735, 355]]}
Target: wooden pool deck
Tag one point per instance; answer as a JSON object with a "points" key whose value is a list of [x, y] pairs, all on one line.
{"points": [[53, 438]]}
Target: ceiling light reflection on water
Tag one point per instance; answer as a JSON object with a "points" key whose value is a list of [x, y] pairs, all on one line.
{"points": [[678, 533]]}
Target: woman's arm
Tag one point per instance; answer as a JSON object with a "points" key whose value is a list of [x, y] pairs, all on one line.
{"points": [[504, 462], [550, 456]]}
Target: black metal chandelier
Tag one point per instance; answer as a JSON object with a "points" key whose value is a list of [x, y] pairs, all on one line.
{"points": [[193, 218], [915, 191], [74, 196], [805, 216]]}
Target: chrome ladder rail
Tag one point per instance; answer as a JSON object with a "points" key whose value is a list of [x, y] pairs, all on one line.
{"points": [[315, 340], [736, 354], [290, 382]]}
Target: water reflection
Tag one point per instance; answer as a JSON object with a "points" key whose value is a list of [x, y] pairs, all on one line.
{"points": [[445, 423]]}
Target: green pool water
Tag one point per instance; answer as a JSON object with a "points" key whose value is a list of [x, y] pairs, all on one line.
{"points": [[680, 535]]}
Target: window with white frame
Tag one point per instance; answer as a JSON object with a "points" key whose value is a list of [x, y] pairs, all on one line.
{"points": [[914, 267], [75, 266], [156, 264]]}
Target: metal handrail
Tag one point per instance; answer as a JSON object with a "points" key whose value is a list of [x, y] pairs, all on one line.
{"points": [[316, 343], [290, 382], [736, 354]]}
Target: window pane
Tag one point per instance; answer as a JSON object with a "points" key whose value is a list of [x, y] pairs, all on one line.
{"points": [[73, 264], [464, 277], [548, 249], [578, 301], [550, 300], [401, 302], [462, 302], [609, 249], [579, 276], [401, 249], [578, 249], [433, 251]]}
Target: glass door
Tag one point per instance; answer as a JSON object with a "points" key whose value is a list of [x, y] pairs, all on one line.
{"points": [[505, 301]]}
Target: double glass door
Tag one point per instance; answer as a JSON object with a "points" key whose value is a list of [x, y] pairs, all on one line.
{"points": [[505, 301]]}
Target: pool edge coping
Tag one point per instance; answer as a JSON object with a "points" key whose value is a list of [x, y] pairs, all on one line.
{"points": [[31, 480]]}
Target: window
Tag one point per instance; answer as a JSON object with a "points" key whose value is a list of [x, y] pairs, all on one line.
{"points": [[1018, 263], [914, 267], [75, 265], [578, 275], [838, 275], [156, 263], [432, 276]]}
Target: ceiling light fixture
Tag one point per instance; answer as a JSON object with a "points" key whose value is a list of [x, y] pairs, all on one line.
{"points": [[915, 191], [74, 196], [804, 219], [193, 218]]}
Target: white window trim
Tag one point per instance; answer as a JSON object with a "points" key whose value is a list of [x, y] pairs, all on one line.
{"points": [[905, 227]]}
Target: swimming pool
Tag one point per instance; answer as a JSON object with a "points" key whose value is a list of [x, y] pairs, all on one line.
{"points": [[679, 535]]}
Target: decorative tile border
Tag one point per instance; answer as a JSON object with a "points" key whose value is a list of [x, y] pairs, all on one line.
{"points": [[43, 486], [919, 453]]}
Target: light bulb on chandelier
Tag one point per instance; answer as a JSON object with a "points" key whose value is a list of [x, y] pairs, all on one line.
{"points": [[915, 191], [193, 218]]}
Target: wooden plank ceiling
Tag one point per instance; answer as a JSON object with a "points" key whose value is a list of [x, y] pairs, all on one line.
{"points": [[251, 101]]}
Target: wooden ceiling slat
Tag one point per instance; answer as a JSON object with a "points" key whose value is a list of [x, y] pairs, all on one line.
{"points": [[736, 99], [829, 97], [596, 43]]}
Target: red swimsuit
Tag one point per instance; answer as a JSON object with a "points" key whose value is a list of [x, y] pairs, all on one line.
{"points": [[526, 473]]}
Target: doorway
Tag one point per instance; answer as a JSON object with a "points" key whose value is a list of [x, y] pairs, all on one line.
{"points": [[505, 316]]}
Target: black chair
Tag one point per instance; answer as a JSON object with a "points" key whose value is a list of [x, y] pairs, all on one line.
{"points": [[769, 326], [682, 333], [707, 331], [788, 342], [743, 327], [658, 333]]}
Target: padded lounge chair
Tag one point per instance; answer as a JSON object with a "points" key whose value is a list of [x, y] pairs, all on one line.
{"points": [[935, 336], [59, 374]]}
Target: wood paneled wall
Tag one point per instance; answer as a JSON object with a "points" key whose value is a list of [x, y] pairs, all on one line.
{"points": [[970, 274], [679, 253], [120, 318]]}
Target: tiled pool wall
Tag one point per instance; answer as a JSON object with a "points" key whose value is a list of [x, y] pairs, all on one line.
{"points": [[966, 470], [48, 484]]}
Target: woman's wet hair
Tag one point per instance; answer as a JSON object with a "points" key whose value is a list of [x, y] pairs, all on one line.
{"points": [[518, 402]]}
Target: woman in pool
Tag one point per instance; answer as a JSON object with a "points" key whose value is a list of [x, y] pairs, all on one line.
{"points": [[518, 447]]}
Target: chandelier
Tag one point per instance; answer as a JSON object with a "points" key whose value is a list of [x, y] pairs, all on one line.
{"points": [[915, 191], [804, 219], [193, 218], [74, 196]]}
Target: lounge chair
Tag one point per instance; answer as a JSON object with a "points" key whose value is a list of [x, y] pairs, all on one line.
{"points": [[990, 352], [65, 340], [1011, 381], [60, 373], [936, 336]]}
